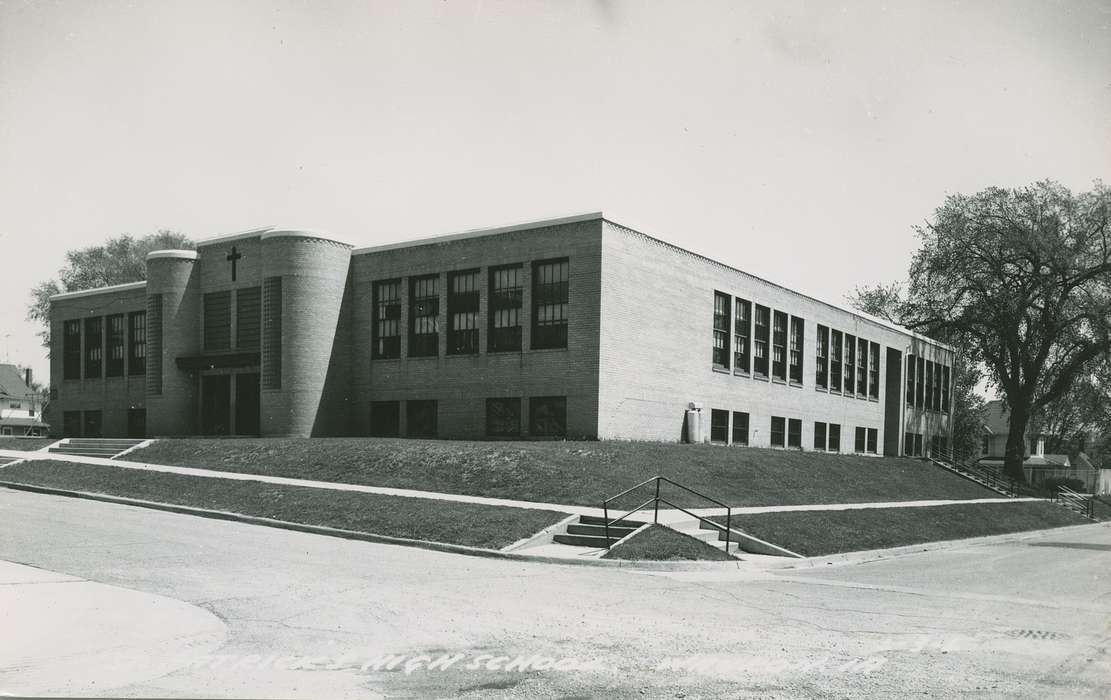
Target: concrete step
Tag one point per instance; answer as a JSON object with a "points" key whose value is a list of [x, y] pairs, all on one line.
{"points": [[595, 520], [583, 540], [615, 532]]}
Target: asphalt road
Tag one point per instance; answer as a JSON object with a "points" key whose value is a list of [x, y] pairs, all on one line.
{"points": [[311, 616]]}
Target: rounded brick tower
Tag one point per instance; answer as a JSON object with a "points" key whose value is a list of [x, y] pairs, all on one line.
{"points": [[173, 318], [303, 339]]}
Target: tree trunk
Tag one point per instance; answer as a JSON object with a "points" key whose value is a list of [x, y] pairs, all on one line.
{"points": [[1016, 445]]}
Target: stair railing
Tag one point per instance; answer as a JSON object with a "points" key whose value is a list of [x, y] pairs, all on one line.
{"points": [[993, 478], [1083, 503], [657, 500]]}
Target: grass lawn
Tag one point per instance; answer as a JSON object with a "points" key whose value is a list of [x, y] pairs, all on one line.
{"points": [[25, 444], [416, 518], [577, 473], [659, 543], [815, 533]]}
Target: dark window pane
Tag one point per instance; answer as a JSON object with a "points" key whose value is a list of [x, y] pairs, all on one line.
{"points": [[387, 319], [424, 316], [94, 357], [548, 416], [719, 425], [503, 417], [834, 438], [721, 330], [740, 428], [385, 418], [117, 345], [550, 297], [462, 309], [819, 436], [794, 433], [71, 350], [504, 325], [420, 418], [137, 345], [778, 432]]}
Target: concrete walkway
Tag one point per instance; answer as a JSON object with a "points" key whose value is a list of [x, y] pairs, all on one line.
{"points": [[666, 516]]}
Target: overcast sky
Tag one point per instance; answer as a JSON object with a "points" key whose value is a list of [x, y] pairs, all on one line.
{"points": [[800, 142]]}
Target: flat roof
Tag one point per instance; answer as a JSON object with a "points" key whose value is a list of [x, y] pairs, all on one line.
{"points": [[99, 290], [479, 233]]}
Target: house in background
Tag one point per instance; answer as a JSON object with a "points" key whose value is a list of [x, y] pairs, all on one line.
{"points": [[1038, 465], [20, 405]]}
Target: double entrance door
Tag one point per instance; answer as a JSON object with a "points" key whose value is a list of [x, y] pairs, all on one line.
{"points": [[230, 404]]}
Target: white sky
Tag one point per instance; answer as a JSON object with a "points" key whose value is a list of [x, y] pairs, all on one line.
{"points": [[797, 141]]}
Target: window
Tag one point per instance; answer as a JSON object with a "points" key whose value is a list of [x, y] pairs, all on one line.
{"points": [[911, 364], [719, 426], [985, 445], [873, 441], [794, 433], [929, 400], [71, 423], [505, 309], [15, 404], [861, 366], [503, 417], [117, 330], [918, 444], [154, 343], [387, 319], [908, 444], [71, 350], [834, 437], [94, 360], [740, 428], [760, 363], [945, 379], [779, 346], [741, 321], [721, 330], [462, 310], [796, 350], [550, 295], [424, 316], [919, 382], [217, 321], [937, 387], [248, 318], [547, 416], [137, 342], [778, 430], [93, 422], [835, 361], [819, 436], [385, 418], [874, 371], [272, 332], [821, 354], [420, 418], [861, 439], [850, 364]]}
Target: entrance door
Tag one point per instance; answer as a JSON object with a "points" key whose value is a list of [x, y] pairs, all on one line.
{"points": [[246, 404], [216, 404]]}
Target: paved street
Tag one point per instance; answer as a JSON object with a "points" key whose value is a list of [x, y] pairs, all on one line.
{"points": [[306, 615]]}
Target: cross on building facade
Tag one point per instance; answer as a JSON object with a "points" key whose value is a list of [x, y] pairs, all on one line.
{"points": [[233, 258]]}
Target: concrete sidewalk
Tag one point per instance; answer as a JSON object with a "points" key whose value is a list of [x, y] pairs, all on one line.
{"points": [[666, 516]]}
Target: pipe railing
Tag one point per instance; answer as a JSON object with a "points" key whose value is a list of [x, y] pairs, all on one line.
{"points": [[657, 499]]}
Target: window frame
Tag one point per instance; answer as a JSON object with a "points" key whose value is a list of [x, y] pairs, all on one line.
{"points": [[73, 359], [463, 306], [794, 433], [796, 341], [761, 357], [779, 345], [821, 357], [137, 343], [115, 345], [740, 426], [719, 426], [781, 432], [742, 336], [424, 313], [551, 334], [513, 401], [833, 437], [722, 318], [536, 405], [820, 435], [387, 310], [849, 373], [836, 350], [505, 304], [874, 370], [94, 347]]}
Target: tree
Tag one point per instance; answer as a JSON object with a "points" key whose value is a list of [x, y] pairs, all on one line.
{"points": [[120, 260], [1022, 278], [1078, 421]]}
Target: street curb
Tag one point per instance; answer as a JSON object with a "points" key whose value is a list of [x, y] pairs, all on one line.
{"points": [[870, 555], [378, 539]]}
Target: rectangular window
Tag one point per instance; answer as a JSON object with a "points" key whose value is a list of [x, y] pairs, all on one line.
{"points": [[819, 436], [918, 444], [137, 342], [861, 367], [719, 426], [920, 382], [874, 371], [71, 424], [550, 296], [741, 319], [945, 379], [94, 339], [740, 428], [721, 330], [248, 318], [762, 336], [861, 440], [93, 424], [71, 349], [834, 437], [835, 361], [385, 418], [506, 294], [547, 416], [420, 418], [154, 344], [272, 332], [937, 388], [387, 319], [424, 316], [779, 429], [929, 400], [797, 330], [794, 433], [850, 364], [985, 444], [503, 417], [908, 444], [117, 345], [217, 321], [462, 310], [873, 441], [911, 365], [779, 345], [821, 354]]}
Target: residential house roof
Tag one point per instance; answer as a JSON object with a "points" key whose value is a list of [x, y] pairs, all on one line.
{"points": [[11, 382]]}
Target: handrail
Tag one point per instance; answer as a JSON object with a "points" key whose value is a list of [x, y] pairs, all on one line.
{"points": [[657, 499], [1082, 502], [991, 477]]}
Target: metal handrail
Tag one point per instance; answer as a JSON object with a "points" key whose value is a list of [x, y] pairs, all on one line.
{"points": [[1082, 502], [657, 499], [990, 476]]}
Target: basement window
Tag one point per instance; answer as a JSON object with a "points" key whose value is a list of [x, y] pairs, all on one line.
{"points": [[778, 432], [819, 435], [740, 428], [719, 426], [834, 444], [794, 433]]}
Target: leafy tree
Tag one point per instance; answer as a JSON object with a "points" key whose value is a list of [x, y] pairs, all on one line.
{"points": [[1022, 278], [120, 260]]}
